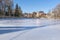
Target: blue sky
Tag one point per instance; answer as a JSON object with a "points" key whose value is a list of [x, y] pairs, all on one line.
{"points": [[36, 5]]}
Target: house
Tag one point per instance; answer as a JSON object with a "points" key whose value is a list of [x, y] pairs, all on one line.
{"points": [[40, 14], [27, 15]]}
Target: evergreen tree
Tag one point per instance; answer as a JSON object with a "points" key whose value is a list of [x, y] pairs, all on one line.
{"points": [[18, 11]]}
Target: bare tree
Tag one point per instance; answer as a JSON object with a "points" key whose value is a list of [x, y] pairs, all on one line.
{"points": [[8, 6], [5, 4], [56, 11], [34, 14]]}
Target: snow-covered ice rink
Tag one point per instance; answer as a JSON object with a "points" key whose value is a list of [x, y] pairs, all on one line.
{"points": [[30, 29]]}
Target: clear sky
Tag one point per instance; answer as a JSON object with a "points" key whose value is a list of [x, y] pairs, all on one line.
{"points": [[36, 5]]}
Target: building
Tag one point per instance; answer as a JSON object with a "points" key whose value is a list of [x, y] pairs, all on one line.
{"points": [[27, 15], [40, 14]]}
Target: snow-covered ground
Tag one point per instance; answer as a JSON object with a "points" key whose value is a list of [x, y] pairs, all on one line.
{"points": [[30, 29], [46, 33]]}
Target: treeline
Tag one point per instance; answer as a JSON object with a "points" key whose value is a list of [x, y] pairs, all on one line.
{"points": [[7, 10]]}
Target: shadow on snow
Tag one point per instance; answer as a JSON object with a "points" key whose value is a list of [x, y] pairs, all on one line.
{"points": [[11, 29], [3, 31]]}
